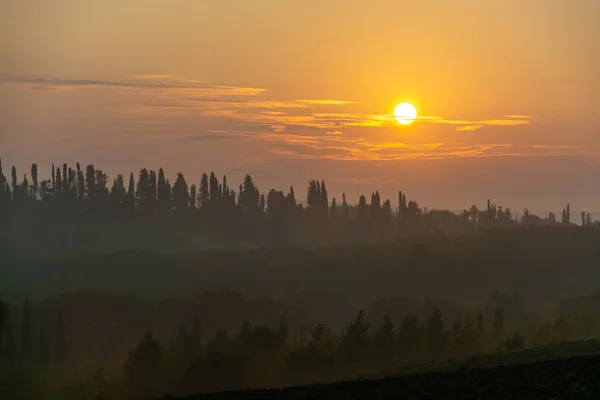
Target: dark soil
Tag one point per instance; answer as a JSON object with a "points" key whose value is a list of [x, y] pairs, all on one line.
{"points": [[565, 378]]}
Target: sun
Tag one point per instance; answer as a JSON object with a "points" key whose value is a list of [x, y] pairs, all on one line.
{"points": [[405, 113]]}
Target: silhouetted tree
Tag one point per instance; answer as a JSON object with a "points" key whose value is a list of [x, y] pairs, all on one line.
{"points": [[345, 210], [355, 341], [34, 179], [436, 339], [180, 194], [385, 342], [193, 197], [129, 203], [144, 374], [363, 211], [249, 195], [203, 193], [80, 183], [59, 185], [333, 211], [15, 185]]}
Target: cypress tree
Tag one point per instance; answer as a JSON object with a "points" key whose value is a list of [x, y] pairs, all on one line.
{"points": [[15, 187], [65, 181], [181, 195], [345, 210], [129, 203], [292, 197], [59, 185], [4, 189], [80, 183], [53, 180], [164, 194], [193, 197], [34, 178], [203, 193]]}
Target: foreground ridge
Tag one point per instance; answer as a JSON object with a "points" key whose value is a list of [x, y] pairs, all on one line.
{"points": [[563, 378]]}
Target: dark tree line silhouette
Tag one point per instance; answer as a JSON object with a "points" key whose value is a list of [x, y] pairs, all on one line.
{"points": [[263, 356], [215, 211]]}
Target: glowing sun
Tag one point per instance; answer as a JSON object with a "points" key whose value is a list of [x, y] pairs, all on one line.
{"points": [[405, 113]]}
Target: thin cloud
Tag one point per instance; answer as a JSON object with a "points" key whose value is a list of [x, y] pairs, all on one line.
{"points": [[327, 102], [165, 85], [513, 116], [334, 133], [469, 127]]}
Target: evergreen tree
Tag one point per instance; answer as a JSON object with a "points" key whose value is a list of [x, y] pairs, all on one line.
{"points": [[59, 185], [129, 203], [80, 183], [249, 195], [163, 193], [60, 340], [261, 203], [34, 179], [142, 191], [193, 197], [203, 192], [386, 211], [568, 213], [213, 190], [24, 189], [152, 209], [291, 198], [180, 193], [26, 333], [345, 210], [15, 186], [355, 342], [65, 181], [117, 192], [4, 189], [324, 201], [385, 341], [435, 335], [363, 211], [144, 373], [53, 181]]}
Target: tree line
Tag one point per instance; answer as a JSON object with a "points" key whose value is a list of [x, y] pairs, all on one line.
{"points": [[215, 210], [263, 356]]}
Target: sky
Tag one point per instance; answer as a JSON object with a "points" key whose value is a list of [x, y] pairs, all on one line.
{"points": [[508, 94]]}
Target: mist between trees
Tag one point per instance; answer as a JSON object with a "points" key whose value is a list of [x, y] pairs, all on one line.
{"points": [[296, 276], [96, 346]]}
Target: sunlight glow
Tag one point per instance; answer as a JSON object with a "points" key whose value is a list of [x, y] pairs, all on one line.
{"points": [[405, 113]]}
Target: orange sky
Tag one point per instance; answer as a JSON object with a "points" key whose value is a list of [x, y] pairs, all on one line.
{"points": [[508, 92]]}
